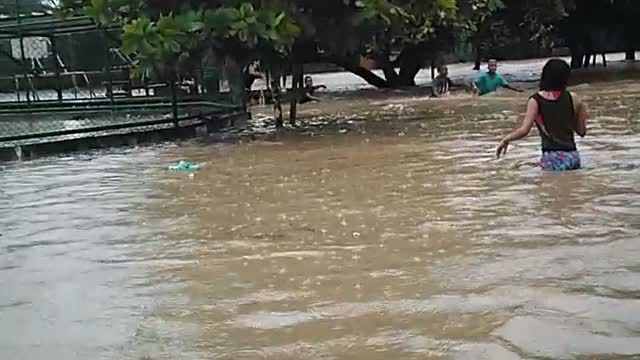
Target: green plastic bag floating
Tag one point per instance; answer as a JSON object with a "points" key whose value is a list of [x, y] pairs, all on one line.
{"points": [[184, 166]]}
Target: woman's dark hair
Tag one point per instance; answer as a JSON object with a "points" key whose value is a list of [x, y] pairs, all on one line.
{"points": [[555, 75]]}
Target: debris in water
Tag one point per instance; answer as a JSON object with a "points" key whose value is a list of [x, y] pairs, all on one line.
{"points": [[184, 166], [391, 107]]}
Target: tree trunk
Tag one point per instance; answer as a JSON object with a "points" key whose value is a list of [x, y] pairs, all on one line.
{"points": [[389, 71], [276, 75], [211, 75], [630, 55], [410, 61], [235, 77], [588, 50], [408, 74], [577, 57], [360, 71], [587, 60], [577, 43], [477, 56], [296, 84], [433, 69], [576, 61], [293, 105], [406, 77], [630, 42]]}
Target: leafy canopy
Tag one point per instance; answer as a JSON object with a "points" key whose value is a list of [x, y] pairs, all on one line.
{"points": [[156, 36]]}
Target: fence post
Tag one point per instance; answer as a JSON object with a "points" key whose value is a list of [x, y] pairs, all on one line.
{"points": [[54, 53], [107, 69], [296, 84], [174, 98], [21, 38], [129, 82], [16, 80]]}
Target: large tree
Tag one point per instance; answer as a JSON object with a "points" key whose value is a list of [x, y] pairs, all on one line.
{"points": [[164, 34], [400, 35], [600, 26]]}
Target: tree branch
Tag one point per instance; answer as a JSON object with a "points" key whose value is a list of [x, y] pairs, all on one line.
{"points": [[364, 73], [353, 67]]}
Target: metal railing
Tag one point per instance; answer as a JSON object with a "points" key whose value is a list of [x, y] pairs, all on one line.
{"points": [[66, 78]]}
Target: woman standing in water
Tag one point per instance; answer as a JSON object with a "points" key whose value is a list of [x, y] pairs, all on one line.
{"points": [[558, 114]]}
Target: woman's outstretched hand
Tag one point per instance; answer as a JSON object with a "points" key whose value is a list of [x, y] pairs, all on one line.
{"points": [[502, 148]]}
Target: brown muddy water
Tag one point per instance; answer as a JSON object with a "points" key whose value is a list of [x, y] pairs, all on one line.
{"points": [[383, 229]]}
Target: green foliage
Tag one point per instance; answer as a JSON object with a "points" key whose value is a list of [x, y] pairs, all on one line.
{"points": [[412, 21], [166, 32], [161, 42], [520, 23]]}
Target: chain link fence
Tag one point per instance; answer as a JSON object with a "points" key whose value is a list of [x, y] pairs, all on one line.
{"points": [[66, 78]]}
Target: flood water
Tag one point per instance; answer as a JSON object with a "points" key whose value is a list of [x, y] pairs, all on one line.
{"points": [[383, 229]]}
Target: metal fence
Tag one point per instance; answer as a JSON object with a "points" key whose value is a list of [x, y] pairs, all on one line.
{"points": [[67, 78]]}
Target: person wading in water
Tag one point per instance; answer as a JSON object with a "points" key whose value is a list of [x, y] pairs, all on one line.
{"points": [[309, 89], [558, 114], [442, 84], [490, 81]]}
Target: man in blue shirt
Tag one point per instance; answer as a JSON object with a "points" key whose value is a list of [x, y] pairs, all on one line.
{"points": [[490, 81]]}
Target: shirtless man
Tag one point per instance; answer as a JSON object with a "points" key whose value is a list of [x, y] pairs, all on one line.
{"points": [[309, 89]]}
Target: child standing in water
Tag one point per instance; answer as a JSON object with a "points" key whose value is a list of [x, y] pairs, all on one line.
{"points": [[558, 114], [441, 85]]}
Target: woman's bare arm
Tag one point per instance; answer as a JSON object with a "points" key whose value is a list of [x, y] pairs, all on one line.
{"points": [[522, 131], [581, 115]]}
